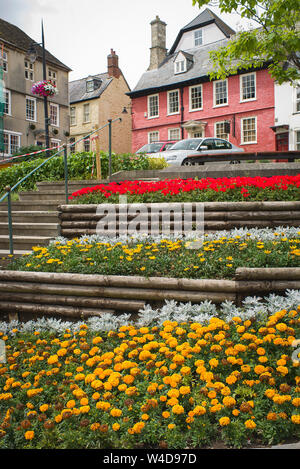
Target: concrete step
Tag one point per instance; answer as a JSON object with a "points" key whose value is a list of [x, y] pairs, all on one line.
{"points": [[32, 205], [73, 186], [54, 195], [23, 243], [30, 217], [31, 229]]}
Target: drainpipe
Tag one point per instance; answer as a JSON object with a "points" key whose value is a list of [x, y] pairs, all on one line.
{"points": [[181, 112]]}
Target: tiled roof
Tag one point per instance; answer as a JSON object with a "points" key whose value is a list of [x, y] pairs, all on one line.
{"points": [[164, 77], [14, 36], [204, 18], [77, 88]]}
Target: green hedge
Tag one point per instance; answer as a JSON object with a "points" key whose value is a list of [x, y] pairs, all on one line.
{"points": [[80, 166]]}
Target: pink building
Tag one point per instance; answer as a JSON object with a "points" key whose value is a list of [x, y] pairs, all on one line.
{"points": [[175, 99]]}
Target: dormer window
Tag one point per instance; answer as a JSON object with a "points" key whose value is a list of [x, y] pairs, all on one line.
{"points": [[89, 86], [198, 37], [182, 62], [180, 66]]}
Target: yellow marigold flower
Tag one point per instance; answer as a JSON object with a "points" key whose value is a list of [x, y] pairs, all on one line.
{"points": [[115, 427], [296, 419], [296, 401], [52, 359], [95, 426], [116, 412], [235, 412], [229, 401], [224, 421], [145, 417], [58, 418], [199, 410], [44, 407], [272, 416], [177, 409], [250, 424], [184, 390], [171, 426], [84, 401], [29, 435]]}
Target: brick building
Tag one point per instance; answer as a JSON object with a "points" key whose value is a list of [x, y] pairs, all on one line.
{"points": [[94, 100], [175, 98]]}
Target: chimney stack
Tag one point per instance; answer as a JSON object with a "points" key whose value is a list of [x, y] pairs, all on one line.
{"points": [[158, 49], [113, 64]]}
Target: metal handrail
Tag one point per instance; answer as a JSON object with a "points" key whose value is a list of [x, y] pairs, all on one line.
{"points": [[9, 189]]}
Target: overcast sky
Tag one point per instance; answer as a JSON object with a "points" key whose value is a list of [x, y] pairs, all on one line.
{"points": [[81, 33]]}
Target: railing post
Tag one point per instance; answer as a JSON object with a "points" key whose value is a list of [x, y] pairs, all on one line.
{"points": [[66, 173], [10, 228], [109, 149]]}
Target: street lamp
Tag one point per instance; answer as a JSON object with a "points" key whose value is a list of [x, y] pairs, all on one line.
{"points": [[32, 56]]}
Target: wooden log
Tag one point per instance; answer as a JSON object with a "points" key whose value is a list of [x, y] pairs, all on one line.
{"points": [[37, 309], [80, 301], [251, 206], [118, 281], [267, 273], [267, 286], [112, 292]]}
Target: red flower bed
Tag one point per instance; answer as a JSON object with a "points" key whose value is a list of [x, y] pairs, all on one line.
{"points": [[177, 186]]}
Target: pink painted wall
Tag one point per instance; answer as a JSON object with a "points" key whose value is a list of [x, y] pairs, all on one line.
{"points": [[262, 107]]}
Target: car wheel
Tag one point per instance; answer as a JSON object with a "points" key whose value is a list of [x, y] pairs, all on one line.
{"points": [[235, 162], [187, 163]]}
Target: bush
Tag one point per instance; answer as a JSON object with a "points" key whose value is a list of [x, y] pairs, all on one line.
{"points": [[80, 166]]}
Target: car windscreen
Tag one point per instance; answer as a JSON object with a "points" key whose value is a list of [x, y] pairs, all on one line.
{"points": [[150, 148], [188, 144]]}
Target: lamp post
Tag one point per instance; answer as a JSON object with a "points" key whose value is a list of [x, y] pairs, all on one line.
{"points": [[32, 56], [110, 121]]}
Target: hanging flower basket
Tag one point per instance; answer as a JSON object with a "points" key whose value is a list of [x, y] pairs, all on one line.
{"points": [[44, 88]]}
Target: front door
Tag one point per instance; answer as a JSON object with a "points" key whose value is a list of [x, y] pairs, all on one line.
{"points": [[282, 142]]}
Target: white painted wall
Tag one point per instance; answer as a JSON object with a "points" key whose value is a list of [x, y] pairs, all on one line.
{"points": [[210, 33], [285, 111]]}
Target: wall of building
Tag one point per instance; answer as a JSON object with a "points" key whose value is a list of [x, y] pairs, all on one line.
{"points": [[81, 128], [286, 111], [210, 33], [19, 87], [262, 107]]}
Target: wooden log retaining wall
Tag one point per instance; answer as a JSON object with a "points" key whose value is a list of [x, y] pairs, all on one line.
{"points": [[77, 296], [113, 219]]}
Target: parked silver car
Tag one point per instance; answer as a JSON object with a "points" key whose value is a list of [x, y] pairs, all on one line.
{"points": [[179, 152]]}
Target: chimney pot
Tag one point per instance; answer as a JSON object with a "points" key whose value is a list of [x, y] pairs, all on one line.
{"points": [[158, 49], [113, 64]]}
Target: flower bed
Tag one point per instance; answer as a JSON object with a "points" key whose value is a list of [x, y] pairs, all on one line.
{"points": [[218, 257], [191, 190], [175, 383]]}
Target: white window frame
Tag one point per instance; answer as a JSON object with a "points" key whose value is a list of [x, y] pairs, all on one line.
{"points": [[297, 100], [86, 116], [214, 93], [297, 142], [150, 135], [4, 60], [168, 102], [196, 39], [173, 129], [51, 77], [87, 139], [221, 135], [180, 66], [15, 134], [72, 115], [148, 106], [54, 106], [56, 142], [29, 98], [191, 109], [242, 130], [8, 93], [241, 87], [29, 70]]}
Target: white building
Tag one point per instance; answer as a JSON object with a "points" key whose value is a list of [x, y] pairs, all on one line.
{"points": [[287, 117]]}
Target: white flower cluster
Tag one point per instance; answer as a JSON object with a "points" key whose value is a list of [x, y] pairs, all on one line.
{"points": [[253, 307], [262, 234]]}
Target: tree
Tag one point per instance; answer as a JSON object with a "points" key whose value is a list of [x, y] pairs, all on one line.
{"points": [[275, 41]]}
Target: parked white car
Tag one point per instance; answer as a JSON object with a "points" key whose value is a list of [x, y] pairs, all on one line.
{"points": [[179, 152]]}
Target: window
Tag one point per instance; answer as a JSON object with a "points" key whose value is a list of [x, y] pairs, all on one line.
{"points": [[4, 58], [30, 109], [86, 113], [7, 102], [195, 98], [198, 37], [153, 106], [209, 143], [86, 144], [29, 70], [222, 145], [89, 86], [220, 93], [180, 66], [54, 114], [52, 76], [12, 142], [153, 137], [173, 102], [298, 140], [248, 87], [72, 115], [249, 132], [298, 99], [174, 134], [199, 134], [72, 145], [55, 143], [220, 130]]}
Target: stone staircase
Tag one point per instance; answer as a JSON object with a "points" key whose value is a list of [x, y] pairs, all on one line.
{"points": [[35, 216]]}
